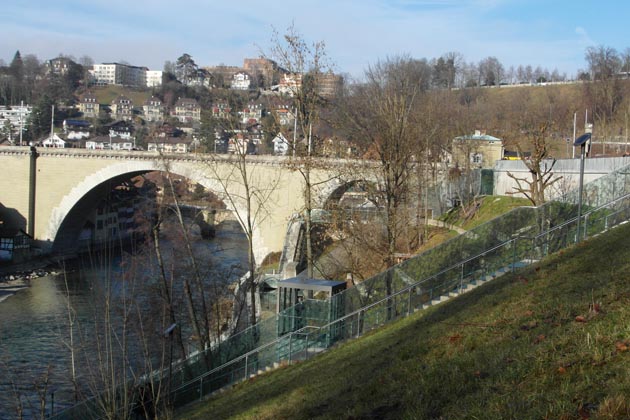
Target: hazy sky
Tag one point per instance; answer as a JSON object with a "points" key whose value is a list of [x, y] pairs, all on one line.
{"points": [[549, 33]]}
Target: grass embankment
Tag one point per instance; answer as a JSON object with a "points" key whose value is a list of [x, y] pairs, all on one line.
{"points": [[550, 341], [490, 207], [105, 95]]}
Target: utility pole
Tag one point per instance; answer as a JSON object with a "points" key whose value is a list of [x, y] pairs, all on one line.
{"points": [[21, 120]]}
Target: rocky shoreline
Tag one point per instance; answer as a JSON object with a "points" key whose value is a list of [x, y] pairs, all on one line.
{"points": [[14, 279]]}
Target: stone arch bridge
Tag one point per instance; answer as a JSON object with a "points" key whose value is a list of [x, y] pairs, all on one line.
{"points": [[52, 190]]}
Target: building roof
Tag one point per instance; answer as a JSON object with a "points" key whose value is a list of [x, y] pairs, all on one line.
{"points": [[478, 136], [153, 101], [170, 140], [77, 123], [187, 102]]}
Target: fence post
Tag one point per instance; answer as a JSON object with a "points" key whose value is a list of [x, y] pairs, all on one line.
{"points": [[514, 253], [409, 302], [290, 346], [358, 323], [246, 366], [585, 227], [200, 387]]}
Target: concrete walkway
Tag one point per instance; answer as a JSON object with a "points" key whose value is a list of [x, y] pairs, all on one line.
{"points": [[439, 223]]}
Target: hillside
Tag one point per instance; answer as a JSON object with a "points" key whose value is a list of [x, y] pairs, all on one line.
{"points": [[550, 341]]}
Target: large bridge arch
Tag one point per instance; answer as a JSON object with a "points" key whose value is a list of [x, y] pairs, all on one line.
{"points": [[93, 186]]}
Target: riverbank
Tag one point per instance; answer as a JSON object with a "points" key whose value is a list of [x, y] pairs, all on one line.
{"points": [[16, 277]]}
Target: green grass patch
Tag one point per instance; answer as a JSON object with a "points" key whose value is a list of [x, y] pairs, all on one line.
{"points": [[550, 341], [106, 94], [489, 207]]}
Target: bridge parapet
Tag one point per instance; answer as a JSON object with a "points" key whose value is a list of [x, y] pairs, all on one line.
{"points": [[288, 161]]}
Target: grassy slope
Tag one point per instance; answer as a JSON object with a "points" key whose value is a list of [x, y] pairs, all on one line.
{"points": [[105, 95], [548, 342], [491, 207]]}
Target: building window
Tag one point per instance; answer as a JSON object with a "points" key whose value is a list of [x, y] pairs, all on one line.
{"points": [[476, 158]]}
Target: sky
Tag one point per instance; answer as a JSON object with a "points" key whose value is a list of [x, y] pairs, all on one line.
{"points": [[553, 34]]}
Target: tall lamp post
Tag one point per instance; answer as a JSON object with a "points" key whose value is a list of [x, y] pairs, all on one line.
{"points": [[581, 141]]}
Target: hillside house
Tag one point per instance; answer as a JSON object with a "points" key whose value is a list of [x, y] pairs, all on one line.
{"points": [[76, 129], [169, 144], [122, 129], [290, 84], [280, 145], [122, 108], [221, 110], [241, 81], [153, 110], [53, 141], [89, 106], [187, 110], [251, 114]]}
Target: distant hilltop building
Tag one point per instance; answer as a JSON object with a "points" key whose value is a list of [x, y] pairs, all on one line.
{"points": [[261, 68], [59, 66], [125, 75], [261, 72]]}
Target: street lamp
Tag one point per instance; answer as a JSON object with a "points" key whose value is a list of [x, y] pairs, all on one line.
{"points": [[581, 141]]}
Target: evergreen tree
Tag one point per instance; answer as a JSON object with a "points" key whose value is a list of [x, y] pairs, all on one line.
{"points": [[38, 124], [16, 68]]}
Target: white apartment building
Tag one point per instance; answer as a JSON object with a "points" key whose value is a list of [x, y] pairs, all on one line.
{"points": [[124, 74], [153, 78], [240, 81]]}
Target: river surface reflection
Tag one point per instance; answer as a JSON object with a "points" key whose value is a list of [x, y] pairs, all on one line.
{"points": [[34, 325]]}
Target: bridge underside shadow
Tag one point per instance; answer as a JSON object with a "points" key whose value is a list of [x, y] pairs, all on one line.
{"points": [[67, 239]]}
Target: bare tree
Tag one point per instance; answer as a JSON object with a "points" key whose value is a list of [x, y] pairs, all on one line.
{"points": [[532, 129], [604, 94], [491, 71], [307, 62], [250, 203], [381, 116]]}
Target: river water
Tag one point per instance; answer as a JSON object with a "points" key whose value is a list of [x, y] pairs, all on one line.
{"points": [[34, 327]]}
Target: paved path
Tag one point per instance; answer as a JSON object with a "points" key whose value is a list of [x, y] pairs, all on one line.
{"points": [[439, 223]]}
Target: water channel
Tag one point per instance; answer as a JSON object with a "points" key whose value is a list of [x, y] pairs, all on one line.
{"points": [[34, 324]]}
